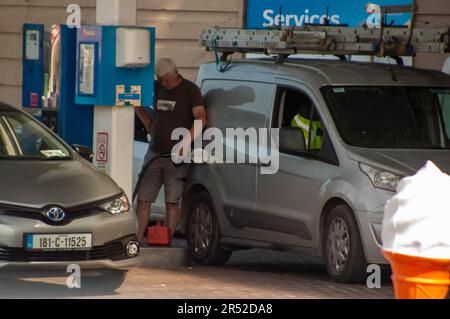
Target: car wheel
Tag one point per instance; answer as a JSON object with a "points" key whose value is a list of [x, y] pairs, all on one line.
{"points": [[203, 232], [342, 248]]}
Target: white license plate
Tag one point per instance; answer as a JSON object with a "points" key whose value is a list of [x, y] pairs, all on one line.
{"points": [[58, 241]]}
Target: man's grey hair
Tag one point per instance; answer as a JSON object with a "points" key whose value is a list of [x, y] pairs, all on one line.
{"points": [[165, 66]]}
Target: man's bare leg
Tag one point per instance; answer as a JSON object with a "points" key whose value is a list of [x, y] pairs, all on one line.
{"points": [[143, 211], [173, 214]]}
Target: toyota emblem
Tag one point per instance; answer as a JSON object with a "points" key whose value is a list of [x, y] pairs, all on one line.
{"points": [[56, 214]]}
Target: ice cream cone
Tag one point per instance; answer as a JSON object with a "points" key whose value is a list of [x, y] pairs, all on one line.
{"points": [[419, 278]]}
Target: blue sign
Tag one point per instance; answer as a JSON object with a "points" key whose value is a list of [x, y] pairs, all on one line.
{"points": [[129, 96], [97, 74], [275, 13]]}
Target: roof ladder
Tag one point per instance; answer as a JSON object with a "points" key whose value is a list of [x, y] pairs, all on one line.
{"points": [[386, 41]]}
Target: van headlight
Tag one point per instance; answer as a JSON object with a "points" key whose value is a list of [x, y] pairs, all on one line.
{"points": [[380, 178], [117, 206]]}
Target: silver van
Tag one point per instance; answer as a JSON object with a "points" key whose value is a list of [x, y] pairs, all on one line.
{"points": [[56, 208], [369, 126]]}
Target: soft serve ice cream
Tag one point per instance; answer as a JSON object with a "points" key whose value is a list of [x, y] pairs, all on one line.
{"points": [[417, 219]]}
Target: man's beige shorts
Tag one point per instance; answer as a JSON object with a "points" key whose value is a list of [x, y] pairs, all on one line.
{"points": [[163, 172]]}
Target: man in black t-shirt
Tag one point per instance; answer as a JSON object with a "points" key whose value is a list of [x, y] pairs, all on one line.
{"points": [[177, 103]]}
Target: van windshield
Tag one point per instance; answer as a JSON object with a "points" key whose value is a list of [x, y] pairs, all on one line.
{"points": [[22, 138], [391, 117]]}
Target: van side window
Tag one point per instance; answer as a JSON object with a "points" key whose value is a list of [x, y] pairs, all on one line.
{"points": [[297, 111]]}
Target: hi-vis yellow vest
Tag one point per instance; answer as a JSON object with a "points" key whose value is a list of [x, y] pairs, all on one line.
{"points": [[316, 131]]}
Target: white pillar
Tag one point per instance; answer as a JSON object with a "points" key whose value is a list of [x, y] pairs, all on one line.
{"points": [[116, 12], [117, 122]]}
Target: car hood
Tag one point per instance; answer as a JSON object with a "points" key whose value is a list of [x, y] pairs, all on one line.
{"points": [[404, 161], [65, 183]]}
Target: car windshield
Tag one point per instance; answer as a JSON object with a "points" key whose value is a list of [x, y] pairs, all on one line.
{"points": [[391, 117], [21, 138]]}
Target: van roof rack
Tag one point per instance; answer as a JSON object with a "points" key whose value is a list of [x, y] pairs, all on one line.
{"points": [[386, 41]]}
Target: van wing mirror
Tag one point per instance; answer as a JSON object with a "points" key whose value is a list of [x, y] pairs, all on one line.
{"points": [[84, 151], [292, 139]]}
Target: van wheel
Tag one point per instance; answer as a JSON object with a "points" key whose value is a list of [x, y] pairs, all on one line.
{"points": [[342, 248], [203, 232]]}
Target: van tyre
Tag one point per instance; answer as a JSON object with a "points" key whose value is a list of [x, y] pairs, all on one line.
{"points": [[203, 232], [342, 248]]}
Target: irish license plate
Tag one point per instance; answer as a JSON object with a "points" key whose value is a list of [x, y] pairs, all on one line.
{"points": [[58, 241]]}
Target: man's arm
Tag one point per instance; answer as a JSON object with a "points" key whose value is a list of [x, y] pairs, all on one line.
{"points": [[144, 117], [199, 113]]}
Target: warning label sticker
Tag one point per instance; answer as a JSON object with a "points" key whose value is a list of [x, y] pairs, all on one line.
{"points": [[102, 147]]}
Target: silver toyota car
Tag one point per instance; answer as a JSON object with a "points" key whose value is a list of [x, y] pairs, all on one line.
{"points": [[56, 208], [369, 126]]}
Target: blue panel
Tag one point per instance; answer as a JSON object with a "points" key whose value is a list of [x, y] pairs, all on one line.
{"points": [[112, 76], [108, 76], [273, 13], [33, 70], [75, 120]]}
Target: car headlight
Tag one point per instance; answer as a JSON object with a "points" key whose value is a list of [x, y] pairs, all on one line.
{"points": [[380, 178], [117, 206]]}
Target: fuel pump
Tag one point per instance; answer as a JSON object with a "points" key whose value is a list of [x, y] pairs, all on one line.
{"points": [[57, 59], [49, 56], [83, 84]]}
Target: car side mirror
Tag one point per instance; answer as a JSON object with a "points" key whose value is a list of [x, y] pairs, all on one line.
{"points": [[292, 139], [84, 151]]}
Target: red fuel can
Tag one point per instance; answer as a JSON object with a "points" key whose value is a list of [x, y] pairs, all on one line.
{"points": [[159, 235]]}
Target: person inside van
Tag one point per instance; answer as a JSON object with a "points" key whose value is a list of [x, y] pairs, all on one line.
{"points": [[309, 126]]}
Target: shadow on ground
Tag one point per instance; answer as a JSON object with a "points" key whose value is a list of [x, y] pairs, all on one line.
{"points": [[279, 274], [52, 284], [288, 263]]}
